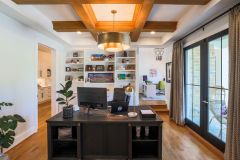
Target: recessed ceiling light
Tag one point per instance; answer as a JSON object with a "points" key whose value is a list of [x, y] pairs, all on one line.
{"points": [[152, 32], [79, 32]]}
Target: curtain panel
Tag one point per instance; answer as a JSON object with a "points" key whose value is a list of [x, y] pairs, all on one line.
{"points": [[232, 151], [177, 111]]}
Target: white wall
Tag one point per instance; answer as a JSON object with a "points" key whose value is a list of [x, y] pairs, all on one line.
{"points": [[167, 57], [211, 29], [18, 70]]}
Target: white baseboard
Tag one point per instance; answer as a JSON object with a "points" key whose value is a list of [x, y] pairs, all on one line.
{"points": [[21, 137]]}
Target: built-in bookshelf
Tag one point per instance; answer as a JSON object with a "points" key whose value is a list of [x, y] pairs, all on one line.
{"points": [[97, 68]]}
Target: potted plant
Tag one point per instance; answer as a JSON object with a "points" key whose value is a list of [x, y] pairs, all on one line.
{"points": [[68, 96], [8, 124]]}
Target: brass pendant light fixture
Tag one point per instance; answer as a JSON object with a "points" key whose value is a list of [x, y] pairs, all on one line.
{"points": [[113, 41]]}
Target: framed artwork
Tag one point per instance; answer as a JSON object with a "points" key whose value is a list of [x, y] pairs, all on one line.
{"points": [[153, 72], [101, 77], [169, 72]]}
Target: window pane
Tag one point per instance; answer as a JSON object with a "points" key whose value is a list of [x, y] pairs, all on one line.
{"points": [[189, 101], [214, 112], [189, 68], [196, 105], [215, 66], [224, 114], [193, 84], [225, 62], [196, 65]]}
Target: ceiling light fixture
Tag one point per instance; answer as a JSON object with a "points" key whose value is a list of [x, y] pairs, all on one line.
{"points": [[79, 32], [113, 41], [159, 53], [152, 32]]}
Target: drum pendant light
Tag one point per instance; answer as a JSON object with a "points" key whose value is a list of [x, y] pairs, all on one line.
{"points": [[113, 41]]}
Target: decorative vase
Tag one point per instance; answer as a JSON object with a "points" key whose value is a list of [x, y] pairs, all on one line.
{"points": [[67, 112], [3, 156]]}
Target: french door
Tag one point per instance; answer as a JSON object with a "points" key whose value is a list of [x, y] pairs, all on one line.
{"points": [[206, 88]]}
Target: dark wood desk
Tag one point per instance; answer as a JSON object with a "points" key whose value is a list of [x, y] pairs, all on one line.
{"points": [[102, 136]]}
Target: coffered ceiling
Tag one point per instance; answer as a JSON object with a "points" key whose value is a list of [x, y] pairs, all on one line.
{"points": [[138, 17]]}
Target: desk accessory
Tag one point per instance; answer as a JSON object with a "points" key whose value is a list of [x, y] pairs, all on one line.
{"points": [[147, 114]]}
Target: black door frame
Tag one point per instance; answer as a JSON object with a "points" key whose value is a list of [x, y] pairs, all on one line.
{"points": [[202, 130]]}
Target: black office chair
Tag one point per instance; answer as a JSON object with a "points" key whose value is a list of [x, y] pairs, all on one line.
{"points": [[120, 96]]}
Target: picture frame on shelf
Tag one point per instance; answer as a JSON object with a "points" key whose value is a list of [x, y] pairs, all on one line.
{"points": [[68, 69], [89, 68], [169, 72], [110, 68], [100, 68], [75, 54]]}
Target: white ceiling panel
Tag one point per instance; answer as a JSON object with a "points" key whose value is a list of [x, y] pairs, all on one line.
{"points": [[124, 11], [168, 12], [58, 12]]}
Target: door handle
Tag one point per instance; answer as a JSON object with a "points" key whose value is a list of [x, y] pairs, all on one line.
{"points": [[206, 102]]}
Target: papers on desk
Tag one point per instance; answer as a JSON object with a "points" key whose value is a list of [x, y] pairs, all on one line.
{"points": [[147, 114]]}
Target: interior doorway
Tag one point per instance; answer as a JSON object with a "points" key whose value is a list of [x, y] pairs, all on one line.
{"points": [[45, 83]]}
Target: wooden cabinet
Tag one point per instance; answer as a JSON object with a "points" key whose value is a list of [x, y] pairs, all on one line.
{"points": [[44, 94]]}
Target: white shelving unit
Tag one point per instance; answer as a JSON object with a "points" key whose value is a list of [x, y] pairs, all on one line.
{"points": [[125, 70]]}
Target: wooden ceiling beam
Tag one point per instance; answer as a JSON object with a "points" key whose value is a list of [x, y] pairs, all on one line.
{"points": [[120, 26], [141, 19], [42, 1], [69, 26], [85, 12], [182, 2], [159, 26], [173, 2]]}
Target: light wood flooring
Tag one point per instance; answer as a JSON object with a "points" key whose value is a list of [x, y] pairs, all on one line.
{"points": [[178, 142]]}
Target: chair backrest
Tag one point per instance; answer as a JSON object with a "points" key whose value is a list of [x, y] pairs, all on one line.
{"points": [[119, 94]]}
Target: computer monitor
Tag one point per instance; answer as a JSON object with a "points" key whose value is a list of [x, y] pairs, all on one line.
{"points": [[92, 97]]}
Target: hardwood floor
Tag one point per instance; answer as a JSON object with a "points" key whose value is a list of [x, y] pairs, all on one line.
{"points": [[35, 147], [178, 142]]}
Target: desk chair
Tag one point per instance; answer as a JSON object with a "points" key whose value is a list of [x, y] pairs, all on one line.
{"points": [[119, 96]]}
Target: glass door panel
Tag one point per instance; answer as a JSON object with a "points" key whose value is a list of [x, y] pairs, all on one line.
{"points": [[192, 84], [218, 87]]}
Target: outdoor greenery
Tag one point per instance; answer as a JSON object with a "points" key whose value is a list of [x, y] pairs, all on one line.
{"points": [[8, 124], [67, 94]]}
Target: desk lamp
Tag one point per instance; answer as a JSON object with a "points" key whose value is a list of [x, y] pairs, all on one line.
{"points": [[129, 91]]}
